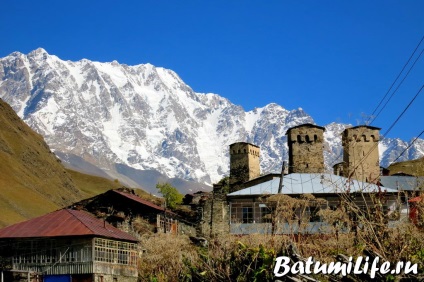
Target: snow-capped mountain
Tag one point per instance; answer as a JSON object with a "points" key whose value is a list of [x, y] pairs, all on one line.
{"points": [[142, 117]]}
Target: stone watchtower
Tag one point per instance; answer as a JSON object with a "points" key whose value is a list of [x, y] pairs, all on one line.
{"points": [[244, 164], [360, 153], [306, 148]]}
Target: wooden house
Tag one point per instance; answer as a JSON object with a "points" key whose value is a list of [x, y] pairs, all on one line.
{"points": [[67, 246], [123, 205]]}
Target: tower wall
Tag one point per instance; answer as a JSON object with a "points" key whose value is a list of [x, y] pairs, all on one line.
{"points": [[305, 144], [360, 153], [244, 164]]}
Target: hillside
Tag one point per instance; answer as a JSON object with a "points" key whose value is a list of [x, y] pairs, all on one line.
{"points": [[413, 167], [91, 185], [33, 180]]}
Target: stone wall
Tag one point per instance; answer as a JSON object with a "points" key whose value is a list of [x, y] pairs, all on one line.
{"points": [[244, 164], [215, 214], [360, 153], [305, 144]]}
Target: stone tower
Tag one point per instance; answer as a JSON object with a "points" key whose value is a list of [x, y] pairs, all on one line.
{"points": [[306, 148], [244, 164], [360, 153]]}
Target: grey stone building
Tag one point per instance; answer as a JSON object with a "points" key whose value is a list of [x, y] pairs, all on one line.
{"points": [[361, 160], [305, 144]]}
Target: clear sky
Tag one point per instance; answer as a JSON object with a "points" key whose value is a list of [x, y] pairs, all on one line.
{"points": [[335, 59]]}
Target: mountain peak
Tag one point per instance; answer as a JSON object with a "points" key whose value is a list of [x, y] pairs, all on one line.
{"points": [[144, 118], [38, 52]]}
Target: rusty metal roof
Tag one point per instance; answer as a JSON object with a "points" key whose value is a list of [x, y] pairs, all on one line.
{"points": [[139, 200], [145, 202], [62, 223]]}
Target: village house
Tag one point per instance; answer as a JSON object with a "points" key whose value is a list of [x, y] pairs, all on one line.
{"points": [[251, 212], [67, 246], [121, 207], [243, 208]]}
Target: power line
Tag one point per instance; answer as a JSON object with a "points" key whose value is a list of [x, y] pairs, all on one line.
{"points": [[371, 119], [385, 104], [394, 82], [403, 112], [413, 141], [390, 128]]}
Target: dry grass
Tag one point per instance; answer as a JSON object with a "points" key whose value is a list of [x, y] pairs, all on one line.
{"points": [[166, 257], [251, 257]]}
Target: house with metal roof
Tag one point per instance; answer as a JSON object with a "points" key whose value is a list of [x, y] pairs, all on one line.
{"points": [[67, 245], [250, 209], [409, 184], [353, 190], [120, 207]]}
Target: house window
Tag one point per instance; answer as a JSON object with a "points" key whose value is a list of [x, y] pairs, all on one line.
{"points": [[247, 214], [313, 214], [266, 214], [115, 251]]}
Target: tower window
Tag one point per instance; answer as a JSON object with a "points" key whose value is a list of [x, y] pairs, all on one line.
{"points": [[299, 138]]}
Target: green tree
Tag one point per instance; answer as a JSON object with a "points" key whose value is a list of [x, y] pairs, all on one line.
{"points": [[171, 194]]}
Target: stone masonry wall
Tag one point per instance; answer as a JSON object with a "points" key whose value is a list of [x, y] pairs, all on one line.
{"points": [[244, 164], [306, 149], [360, 153]]}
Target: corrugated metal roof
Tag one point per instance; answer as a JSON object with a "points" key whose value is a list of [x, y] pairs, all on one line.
{"points": [[139, 200], [64, 222], [144, 202], [408, 183], [311, 183]]}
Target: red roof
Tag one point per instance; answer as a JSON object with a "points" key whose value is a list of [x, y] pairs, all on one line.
{"points": [[64, 222], [139, 200], [416, 200], [142, 201]]}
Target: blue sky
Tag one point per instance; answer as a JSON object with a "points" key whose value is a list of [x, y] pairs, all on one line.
{"points": [[334, 59]]}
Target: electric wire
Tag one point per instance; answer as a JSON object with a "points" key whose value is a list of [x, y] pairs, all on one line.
{"points": [[409, 146], [390, 128], [391, 96], [394, 82]]}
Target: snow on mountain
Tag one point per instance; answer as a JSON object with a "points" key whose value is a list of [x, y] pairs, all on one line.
{"points": [[146, 118]]}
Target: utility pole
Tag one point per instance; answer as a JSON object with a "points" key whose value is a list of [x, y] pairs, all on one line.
{"points": [[164, 218], [280, 185]]}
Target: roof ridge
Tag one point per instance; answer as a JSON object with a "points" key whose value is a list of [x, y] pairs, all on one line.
{"points": [[69, 211]]}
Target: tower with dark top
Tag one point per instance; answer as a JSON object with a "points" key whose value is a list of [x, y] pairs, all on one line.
{"points": [[360, 153], [305, 144], [244, 164]]}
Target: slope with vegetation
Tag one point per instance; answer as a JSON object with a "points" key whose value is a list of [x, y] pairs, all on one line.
{"points": [[33, 180]]}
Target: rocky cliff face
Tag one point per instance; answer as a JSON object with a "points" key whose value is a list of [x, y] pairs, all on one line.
{"points": [[146, 118]]}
